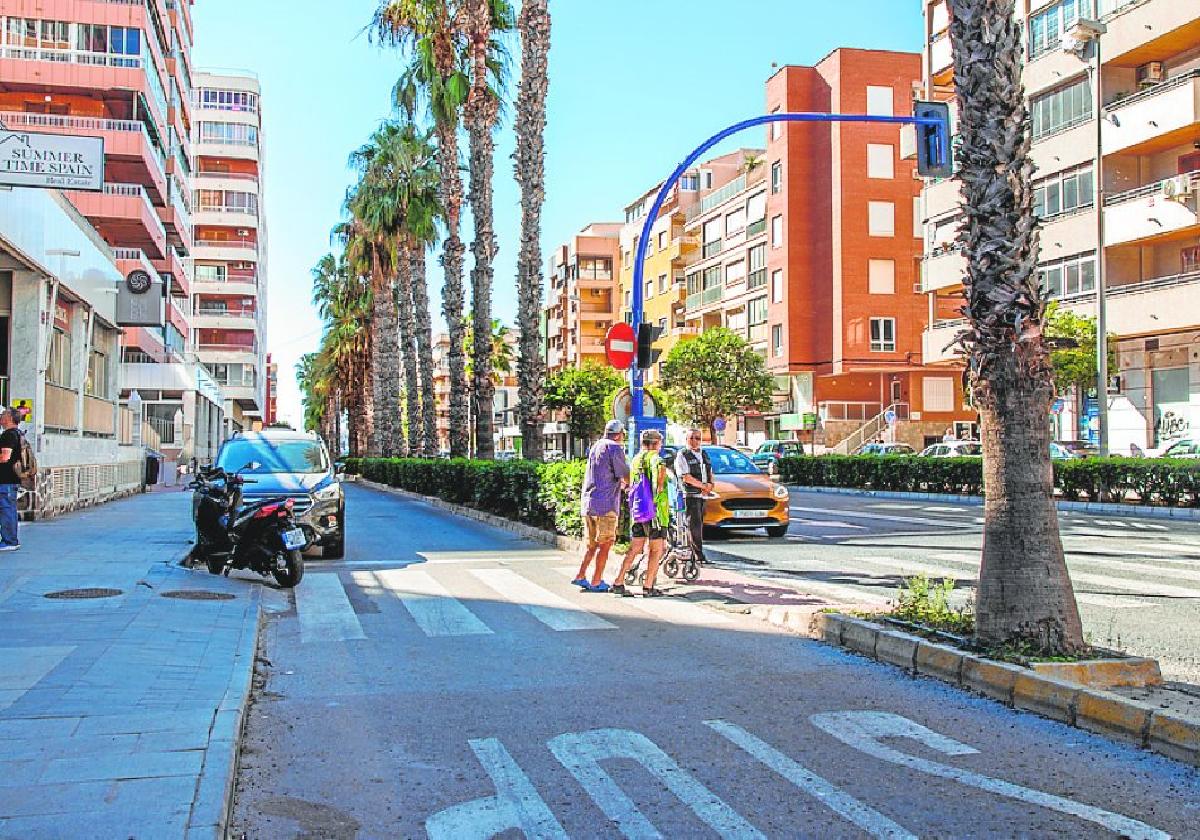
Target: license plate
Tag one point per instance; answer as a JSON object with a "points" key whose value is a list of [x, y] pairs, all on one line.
{"points": [[294, 539], [749, 514]]}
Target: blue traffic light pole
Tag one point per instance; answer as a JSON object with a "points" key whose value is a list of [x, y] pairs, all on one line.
{"points": [[937, 152]]}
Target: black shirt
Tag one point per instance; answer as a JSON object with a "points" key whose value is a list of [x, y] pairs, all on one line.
{"points": [[10, 439]]}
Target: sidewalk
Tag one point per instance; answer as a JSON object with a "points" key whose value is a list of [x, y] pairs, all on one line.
{"points": [[119, 715]]}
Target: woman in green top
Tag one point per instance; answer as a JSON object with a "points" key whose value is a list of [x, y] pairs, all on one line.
{"points": [[648, 463]]}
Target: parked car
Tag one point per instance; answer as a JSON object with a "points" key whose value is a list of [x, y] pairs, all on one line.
{"points": [[880, 449], [1186, 448], [506, 455], [745, 497], [1058, 452], [767, 456], [1079, 448], [954, 449], [296, 466], [551, 456]]}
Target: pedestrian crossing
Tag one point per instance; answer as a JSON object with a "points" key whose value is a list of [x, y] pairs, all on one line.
{"points": [[472, 596]]}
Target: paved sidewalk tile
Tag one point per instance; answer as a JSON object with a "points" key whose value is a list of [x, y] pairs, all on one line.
{"points": [[107, 705]]}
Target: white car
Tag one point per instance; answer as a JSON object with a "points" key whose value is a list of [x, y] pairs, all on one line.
{"points": [[954, 449], [1185, 448]]}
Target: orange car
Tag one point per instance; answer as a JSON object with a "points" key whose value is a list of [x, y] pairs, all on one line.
{"points": [[745, 497]]}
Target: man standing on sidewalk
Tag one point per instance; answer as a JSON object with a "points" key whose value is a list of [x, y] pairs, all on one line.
{"points": [[607, 472], [694, 469], [10, 451]]}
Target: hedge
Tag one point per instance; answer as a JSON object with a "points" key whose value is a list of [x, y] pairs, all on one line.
{"points": [[1173, 482], [542, 495]]}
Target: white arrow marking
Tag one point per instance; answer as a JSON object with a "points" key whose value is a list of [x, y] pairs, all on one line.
{"points": [[864, 730], [866, 818], [516, 804], [582, 752]]}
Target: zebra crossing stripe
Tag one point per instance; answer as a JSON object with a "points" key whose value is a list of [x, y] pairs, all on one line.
{"points": [[430, 604], [324, 610], [554, 611]]}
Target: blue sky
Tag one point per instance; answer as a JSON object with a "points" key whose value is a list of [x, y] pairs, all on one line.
{"points": [[634, 85]]}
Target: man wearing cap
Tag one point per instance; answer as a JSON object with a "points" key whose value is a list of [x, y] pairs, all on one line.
{"points": [[607, 473]]}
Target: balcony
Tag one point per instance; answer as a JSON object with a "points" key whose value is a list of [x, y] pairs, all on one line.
{"points": [[229, 284], [1142, 32], [757, 279], [1146, 307], [236, 217], [237, 151], [223, 318], [683, 247], [61, 408], [124, 213], [99, 417], [220, 353], [133, 259], [177, 318], [1160, 211], [711, 248], [173, 265], [707, 297], [235, 181], [936, 342], [225, 250], [942, 197], [940, 60], [1069, 233], [1155, 118], [943, 270]]}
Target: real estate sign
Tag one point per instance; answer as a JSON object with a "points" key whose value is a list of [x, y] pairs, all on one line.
{"points": [[51, 161]]}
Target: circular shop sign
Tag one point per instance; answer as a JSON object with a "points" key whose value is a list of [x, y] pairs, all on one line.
{"points": [[138, 282]]}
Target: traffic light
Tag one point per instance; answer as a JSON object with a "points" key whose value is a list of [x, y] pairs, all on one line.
{"points": [[935, 158], [646, 354]]}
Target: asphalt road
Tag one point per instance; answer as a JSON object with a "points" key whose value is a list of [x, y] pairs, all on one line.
{"points": [[1137, 579], [447, 681]]}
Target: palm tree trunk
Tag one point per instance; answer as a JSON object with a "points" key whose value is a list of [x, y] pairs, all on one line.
{"points": [[404, 308], [452, 288], [1025, 593], [385, 381], [424, 338], [484, 247], [534, 26]]}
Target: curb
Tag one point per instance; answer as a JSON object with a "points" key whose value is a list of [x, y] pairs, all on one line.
{"points": [[212, 807], [1082, 706], [1107, 508]]}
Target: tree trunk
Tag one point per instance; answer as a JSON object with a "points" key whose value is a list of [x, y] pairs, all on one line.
{"points": [[404, 309], [534, 26], [366, 421], [424, 337], [452, 288], [384, 361], [484, 248], [1025, 595]]}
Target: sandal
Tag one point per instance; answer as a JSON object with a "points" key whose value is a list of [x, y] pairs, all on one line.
{"points": [[653, 593]]}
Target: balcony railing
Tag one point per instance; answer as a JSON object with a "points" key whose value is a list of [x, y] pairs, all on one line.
{"points": [[235, 176], [85, 57], [1153, 90], [1157, 188], [757, 279], [720, 196], [711, 249], [220, 312], [755, 228], [705, 297], [242, 211], [60, 408], [99, 417], [138, 191]]}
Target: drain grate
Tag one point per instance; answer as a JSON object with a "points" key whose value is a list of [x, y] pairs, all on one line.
{"points": [[83, 594], [199, 595]]}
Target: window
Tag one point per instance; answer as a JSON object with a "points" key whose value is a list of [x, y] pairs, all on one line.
{"points": [[1046, 27], [1189, 259], [735, 222], [881, 218], [662, 284], [776, 127], [662, 326], [712, 276], [210, 274], [712, 238], [735, 272], [227, 100], [96, 384], [59, 372], [1062, 108], [777, 286], [231, 134], [706, 179], [648, 291], [757, 311], [756, 213], [777, 231], [883, 335], [758, 266], [937, 393], [689, 182], [1070, 277], [1063, 192], [595, 268], [880, 161], [881, 277], [662, 240], [879, 101], [777, 340], [626, 258], [776, 177]]}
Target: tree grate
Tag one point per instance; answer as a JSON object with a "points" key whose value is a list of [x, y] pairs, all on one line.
{"points": [[83, 594], [199, 595]]}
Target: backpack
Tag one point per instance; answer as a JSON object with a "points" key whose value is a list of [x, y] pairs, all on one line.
{"points": [[642, 508], [25, 467]]}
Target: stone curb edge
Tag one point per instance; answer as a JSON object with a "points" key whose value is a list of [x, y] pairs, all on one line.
{"points": [[1091, 709], [213, 804], [1107, 508]]}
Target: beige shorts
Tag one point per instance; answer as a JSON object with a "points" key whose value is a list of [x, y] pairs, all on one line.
{"points": [[600, 529]]}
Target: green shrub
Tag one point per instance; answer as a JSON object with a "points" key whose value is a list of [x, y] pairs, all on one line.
{"points": [[559, 494], [1144, 480]]}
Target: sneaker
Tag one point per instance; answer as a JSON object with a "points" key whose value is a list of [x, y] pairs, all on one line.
{"points": [[580, 582], [599, 587], [618, 589], [9, 547]]}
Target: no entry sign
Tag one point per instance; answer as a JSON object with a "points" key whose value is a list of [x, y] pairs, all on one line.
{"points": [[620, 345]]}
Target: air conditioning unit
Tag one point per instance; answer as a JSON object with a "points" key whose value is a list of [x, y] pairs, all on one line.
{"points": [[243, 232], [1150, 73]]}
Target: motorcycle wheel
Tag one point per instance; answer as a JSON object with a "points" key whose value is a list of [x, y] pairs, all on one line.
{"points": [[691, 570], [671, 567], [290, 576], [216, 565]]}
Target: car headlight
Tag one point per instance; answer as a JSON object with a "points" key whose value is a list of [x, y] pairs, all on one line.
{"points": [[780, 492], [326, 494]]}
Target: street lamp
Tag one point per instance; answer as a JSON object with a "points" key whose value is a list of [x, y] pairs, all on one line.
{"points": [[1076, 40]]}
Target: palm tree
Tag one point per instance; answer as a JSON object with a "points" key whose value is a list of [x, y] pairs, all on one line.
{"points": [[1025, 593], [435, 30], [530, 157], [334, 382], [362, 259], [485, 59]]}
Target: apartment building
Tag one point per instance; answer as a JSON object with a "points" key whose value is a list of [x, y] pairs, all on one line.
{"points": [[1150, 141], [582, 300], [122, 72], [506, 423], [231, 242], [271, 409]]}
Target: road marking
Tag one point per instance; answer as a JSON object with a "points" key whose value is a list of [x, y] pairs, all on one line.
{"points": [[516, 804], [817, 523], [430, 604], [495, 556], [1142, 570], [864, 730], [842, 803], [582, 752], [853, 514], [934, 509], [554, 611], [670, 609], [324, 610]]}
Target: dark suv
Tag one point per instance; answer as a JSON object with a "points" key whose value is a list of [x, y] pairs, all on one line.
{"points": [[767, 456], [297, 466]]}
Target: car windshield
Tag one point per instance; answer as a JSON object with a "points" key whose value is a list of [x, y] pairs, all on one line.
{"points": [[730, 462], [971, 449], [273, 456]]}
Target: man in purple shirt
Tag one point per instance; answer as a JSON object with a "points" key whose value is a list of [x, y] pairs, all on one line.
{"points": [[607, 474]]}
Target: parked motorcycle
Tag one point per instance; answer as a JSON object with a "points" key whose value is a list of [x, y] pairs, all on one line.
{"points": [[262, 536]]}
